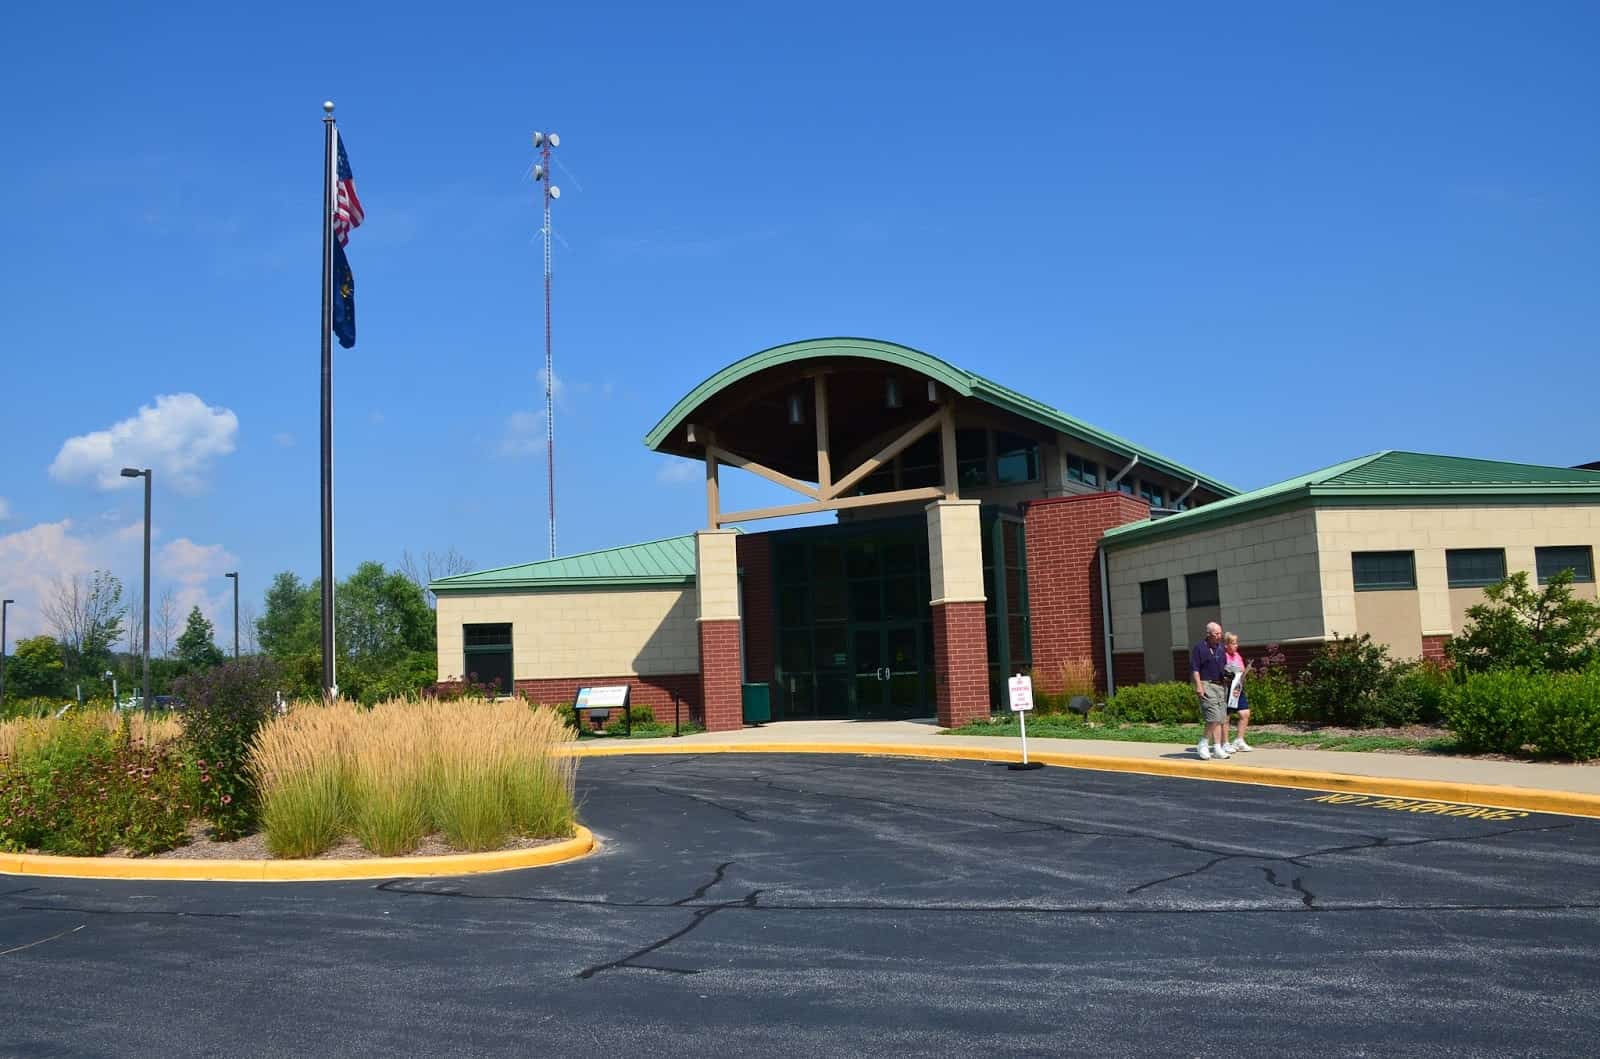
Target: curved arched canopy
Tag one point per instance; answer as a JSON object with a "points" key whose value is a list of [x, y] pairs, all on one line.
{"points": [[747, 406]]}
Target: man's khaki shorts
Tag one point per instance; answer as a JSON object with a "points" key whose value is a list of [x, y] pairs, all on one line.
{"points": [[1214, 703]]}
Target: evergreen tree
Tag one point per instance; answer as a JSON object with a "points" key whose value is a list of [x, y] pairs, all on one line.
{"points": [[196, 651]]}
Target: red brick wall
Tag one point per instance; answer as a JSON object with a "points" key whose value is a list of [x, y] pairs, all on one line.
{"points": [[755, 560], [720, 695], [1127, 667], [1063, 536], [961, 663], [653, 691], [1433, 649]]}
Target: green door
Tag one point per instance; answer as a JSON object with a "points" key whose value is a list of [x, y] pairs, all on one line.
{"points": [[890, 678]]}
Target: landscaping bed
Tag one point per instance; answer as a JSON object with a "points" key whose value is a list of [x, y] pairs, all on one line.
{"points": [[233, 777]]}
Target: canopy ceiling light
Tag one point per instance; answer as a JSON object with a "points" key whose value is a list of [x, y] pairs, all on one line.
{"points": [[891, 392], [797, 410]]}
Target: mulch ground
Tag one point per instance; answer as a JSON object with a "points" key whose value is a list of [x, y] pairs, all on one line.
{"points": [[254, 847]]}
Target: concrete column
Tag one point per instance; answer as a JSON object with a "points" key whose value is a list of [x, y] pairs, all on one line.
{"points": [[716, 586], [960, 647]]}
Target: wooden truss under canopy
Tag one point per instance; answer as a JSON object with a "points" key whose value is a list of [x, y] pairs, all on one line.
{"points": [[829, 493]]}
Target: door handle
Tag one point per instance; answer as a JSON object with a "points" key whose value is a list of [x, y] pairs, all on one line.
{"points": [[883, 673]]}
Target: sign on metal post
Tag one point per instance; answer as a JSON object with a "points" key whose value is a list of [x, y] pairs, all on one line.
{"points": [[1021, 704], [604, 698]]}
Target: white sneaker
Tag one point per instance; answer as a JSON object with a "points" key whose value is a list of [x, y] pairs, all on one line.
{"points": [[1222, 750], [1203, 750], [1241, 747]]}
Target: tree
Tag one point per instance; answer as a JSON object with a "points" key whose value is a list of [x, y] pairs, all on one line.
{"points": [[249, 643], [87, 617], [432, 566], [136, 625], [196, 651], [1520, 627], [166, 622], [292, 623], [37, 666], [382, 614]]}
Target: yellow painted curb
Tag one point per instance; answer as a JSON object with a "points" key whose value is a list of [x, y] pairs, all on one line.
{"points": [[1531, 799], [149, 869]]}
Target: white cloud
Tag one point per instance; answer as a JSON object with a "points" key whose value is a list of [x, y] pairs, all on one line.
{"points": [[179, 437], [5, 509], [36, 558], [196, 570], [523, 434], [676, 471]]}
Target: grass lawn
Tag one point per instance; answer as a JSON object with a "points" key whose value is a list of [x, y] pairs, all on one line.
{"points": [[642, 730], [1056, 726]]}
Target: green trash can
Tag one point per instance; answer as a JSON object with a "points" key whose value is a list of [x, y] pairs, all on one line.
{"points": [[757, 701]]}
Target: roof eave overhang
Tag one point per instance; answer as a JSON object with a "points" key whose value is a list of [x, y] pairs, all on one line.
{"points": [[561, 583]]}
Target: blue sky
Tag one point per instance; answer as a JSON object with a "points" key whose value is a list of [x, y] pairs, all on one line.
{"points": [[1258, 238]]}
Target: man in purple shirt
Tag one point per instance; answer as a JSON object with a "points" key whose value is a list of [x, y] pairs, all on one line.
{"points": [[1208, 663]]}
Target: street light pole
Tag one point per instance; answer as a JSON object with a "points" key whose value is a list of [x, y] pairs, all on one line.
{"points": [[234, 575], [134, 472], [5, 605]]}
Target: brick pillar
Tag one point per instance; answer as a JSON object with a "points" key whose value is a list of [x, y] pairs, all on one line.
{"points": [[1433, 649], [1063, 535], [717, 593], [960, 648]]}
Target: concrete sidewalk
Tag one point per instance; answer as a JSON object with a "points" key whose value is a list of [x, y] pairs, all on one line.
{"points": [[898, 735]]}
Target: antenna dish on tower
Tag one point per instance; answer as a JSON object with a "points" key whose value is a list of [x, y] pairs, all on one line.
{"points": [[538, 172], [538, 139], [555, 192], [555, 141]]}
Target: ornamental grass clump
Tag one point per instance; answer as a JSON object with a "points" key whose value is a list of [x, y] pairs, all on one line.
{"points": [[388, 793], [300, 763], [479, 773]]}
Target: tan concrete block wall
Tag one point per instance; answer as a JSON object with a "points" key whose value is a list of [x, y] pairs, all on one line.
{"points": [[1266, 574], [598, 632], [717, 574], [955, 551], [1393, 618], [1428, 532]]}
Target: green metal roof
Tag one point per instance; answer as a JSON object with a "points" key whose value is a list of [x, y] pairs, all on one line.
{"points": [[1383, 477], [958, 380], [664, 562]]}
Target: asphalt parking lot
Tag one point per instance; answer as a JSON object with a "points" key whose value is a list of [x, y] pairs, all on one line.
{"points": [[787, 905]]}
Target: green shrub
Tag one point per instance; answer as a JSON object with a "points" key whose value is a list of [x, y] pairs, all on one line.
{"points": [[1271, 697], [1170, 703], [1519, 627], [1493, 712], [1566, 717], [1350, 681], [1419, 692], [617, 723], [225, 708]]}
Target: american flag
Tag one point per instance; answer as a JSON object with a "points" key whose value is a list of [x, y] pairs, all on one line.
{"points": [[347, 213]]}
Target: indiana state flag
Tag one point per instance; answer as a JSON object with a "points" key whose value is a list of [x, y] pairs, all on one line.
{"points": [[344, 298]]}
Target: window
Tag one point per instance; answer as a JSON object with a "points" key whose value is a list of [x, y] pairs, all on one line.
{"points": [[1475, 567], [972, 457], [487, 654], [1577, 558], [1081, 470], [1124, 486], [919, 464], [1202, 589], [1016, 458], [1383, 571], [1153, 597], [1151, 493]]}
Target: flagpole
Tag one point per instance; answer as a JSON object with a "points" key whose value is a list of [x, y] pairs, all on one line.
{"points": [[330, 685]]}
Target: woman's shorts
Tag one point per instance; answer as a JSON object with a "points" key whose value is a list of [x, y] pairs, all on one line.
{"points": [[1242, 706]]}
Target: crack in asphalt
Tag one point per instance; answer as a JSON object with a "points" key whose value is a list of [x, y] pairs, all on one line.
{"points": [[740, 813], [1297, 884], [136, 913], [701, 914]]}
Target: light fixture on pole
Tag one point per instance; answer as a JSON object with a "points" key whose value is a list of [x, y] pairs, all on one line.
{"points": [[5, 605], [144, 683], [234, 575], [543, 142]]}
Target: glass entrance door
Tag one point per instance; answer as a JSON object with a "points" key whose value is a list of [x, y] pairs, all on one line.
{"points": [[890, 678]]}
